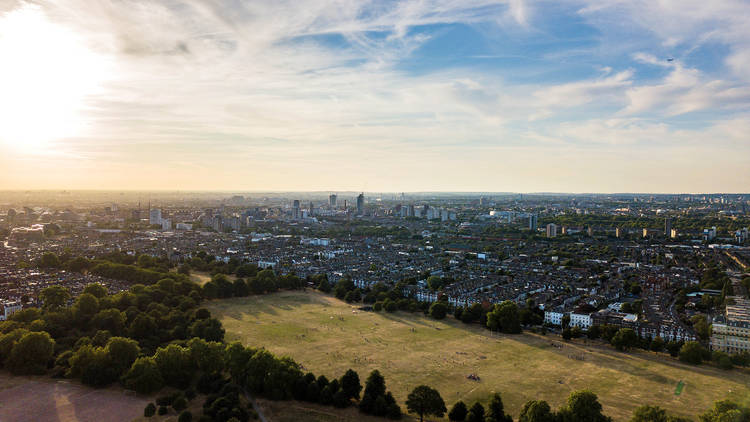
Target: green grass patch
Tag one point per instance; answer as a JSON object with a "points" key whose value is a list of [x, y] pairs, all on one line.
{"points": [[678, 390]]}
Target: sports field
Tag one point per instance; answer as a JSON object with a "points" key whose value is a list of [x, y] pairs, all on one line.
{"points": [[328, 336]]}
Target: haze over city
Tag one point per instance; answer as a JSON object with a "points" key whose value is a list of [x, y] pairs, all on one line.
{"points": [[575, 96]]}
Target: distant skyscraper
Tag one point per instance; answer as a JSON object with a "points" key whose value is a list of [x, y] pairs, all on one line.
{"points": [[667, 227], [551, 230], [332, 200], [619, 233], [295, 209], [361, 203], [532, 222], [154, 216]]}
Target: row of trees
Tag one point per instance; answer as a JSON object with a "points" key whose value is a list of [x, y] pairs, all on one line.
{"points": [[265, 281], [692, 352], [505, 317]]}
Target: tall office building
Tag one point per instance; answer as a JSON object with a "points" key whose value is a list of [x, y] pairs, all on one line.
{"points": [[551, 230], [667, 227], [332, 200], [295, 210], [154, 216], [532, 222], [361, 203], [619, 233]]}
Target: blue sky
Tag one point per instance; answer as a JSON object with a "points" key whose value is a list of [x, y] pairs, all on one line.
{"points": [[475, 95]]}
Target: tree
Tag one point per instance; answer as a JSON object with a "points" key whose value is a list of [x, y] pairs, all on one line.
{"points": [[583, 406], [144, 376], [435, 283], [625, 339], [185, 269], [209, 329], [54, 297], [701, 327], [657, 344], [565, 321], [424, 400], [174, 364], [458, 412], [350, 384], [476, 413], [504, 317], [85, 307], [206, 356], [373, 400], [692, 352], [536, 411], [122, 352], [8, 340], [496, 410], [31, 354], [96, 290], [648, 413], [438, 310], [150, 410], [726, 411], [722, 360], [185, 416], [49, 260]]}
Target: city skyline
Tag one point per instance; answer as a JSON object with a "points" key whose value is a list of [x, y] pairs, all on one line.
{"points": [[477, 96]]}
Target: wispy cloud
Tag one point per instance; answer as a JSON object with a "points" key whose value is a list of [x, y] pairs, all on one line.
{"points": [[295, 88]]}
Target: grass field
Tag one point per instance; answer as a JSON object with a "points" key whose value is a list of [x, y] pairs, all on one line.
{"points": [[328, 336]]}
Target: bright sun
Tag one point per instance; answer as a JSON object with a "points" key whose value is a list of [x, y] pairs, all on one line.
{"points": [[46, 74]]}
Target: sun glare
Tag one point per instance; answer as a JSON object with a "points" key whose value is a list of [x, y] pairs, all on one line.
{"points": [[46, 74]]}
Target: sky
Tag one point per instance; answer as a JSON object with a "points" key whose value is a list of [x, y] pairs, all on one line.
{"points": [[391, 96]]}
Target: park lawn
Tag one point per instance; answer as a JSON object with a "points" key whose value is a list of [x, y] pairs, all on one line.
{"points": [[328, 336]]}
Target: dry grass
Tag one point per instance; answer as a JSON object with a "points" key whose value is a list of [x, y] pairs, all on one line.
{"points": [[328, 336], [294, 411], [202, 278]]}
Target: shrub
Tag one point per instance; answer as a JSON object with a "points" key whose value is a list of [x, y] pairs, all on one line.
{"points": [[185, 416], [180, 404], [149, 410], [163, 410]]}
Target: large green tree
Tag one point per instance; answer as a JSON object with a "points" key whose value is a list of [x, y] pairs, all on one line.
{"points": [[648, 413], [31, 353], [350, 384], [505, 317], [583, 406], [625, 339], [144, 376], [496, 410], [438, 310], [424, 400], [536, 411], [54, 297], [476, 413], [458, 412]]}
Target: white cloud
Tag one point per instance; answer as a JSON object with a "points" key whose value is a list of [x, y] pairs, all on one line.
{"points": [[292, 87]]}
